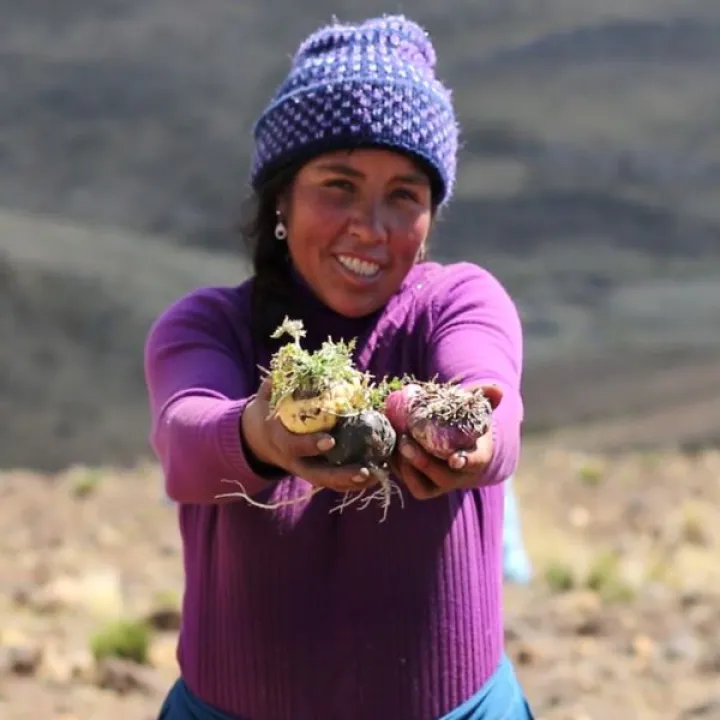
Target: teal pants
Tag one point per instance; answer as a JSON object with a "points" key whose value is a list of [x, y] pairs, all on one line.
{"points": [[501, 698]]}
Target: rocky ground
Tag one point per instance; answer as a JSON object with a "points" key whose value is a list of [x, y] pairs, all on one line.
{"points": [[622, 620]]}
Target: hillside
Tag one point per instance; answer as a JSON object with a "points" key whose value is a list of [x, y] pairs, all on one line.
{"points": [[78, 302], [584, 122]]}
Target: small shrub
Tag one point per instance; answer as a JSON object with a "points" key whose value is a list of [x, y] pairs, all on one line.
{"points": [[559, 577], [126, 639], [693, 528], [590, 473], [86, 483], [605, 578]]}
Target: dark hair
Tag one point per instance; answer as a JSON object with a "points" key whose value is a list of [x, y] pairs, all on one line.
{"points": [[270, 296]]}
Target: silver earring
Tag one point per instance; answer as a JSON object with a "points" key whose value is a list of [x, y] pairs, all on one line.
{"points": [[280, 229]]}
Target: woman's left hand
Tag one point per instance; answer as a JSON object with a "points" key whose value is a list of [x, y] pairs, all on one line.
{"points": [[426, 476]]}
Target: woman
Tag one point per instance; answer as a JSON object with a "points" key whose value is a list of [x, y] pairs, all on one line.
{"points": [[299, 613]]}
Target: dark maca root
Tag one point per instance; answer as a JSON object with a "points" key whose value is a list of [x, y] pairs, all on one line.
{"points": [[367, 438]]}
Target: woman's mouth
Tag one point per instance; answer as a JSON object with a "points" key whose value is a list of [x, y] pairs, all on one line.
{"points": [[362, 268]]}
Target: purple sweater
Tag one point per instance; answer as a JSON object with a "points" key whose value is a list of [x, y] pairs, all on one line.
{"points": [[302, 614]]}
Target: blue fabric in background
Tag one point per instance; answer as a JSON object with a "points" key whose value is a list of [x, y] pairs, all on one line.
{"points": [[516, 563]]}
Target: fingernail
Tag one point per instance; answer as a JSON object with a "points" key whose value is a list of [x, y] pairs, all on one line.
{"points": [[359, 478], [325, 444], [407, 450]]}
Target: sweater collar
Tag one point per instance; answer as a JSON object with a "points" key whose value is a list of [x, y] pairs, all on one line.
{"points": [[321, 321]]}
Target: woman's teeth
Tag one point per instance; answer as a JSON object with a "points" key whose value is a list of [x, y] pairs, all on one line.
{"points": [[359, 267]]}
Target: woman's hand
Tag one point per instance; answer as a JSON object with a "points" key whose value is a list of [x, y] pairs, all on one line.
{"points": [[426, 476], [296, 454]]}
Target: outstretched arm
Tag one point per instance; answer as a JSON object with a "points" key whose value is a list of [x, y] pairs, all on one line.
{"points": [[475, 339], [199, 374]]}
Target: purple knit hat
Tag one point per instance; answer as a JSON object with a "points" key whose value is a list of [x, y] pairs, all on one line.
{"points": [[367, 85]]}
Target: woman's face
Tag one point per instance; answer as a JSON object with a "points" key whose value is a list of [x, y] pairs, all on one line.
{"points": [[356, 222]]}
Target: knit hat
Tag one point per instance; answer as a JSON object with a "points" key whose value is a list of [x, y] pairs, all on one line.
{"points": [[371, 84]]}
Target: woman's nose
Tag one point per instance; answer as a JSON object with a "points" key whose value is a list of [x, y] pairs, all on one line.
{"points": [[370, 223]]}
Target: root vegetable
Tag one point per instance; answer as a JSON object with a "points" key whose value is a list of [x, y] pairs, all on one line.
{"points": [[397, 406], [444, 418], [318, 413], [366, 439], [311, 391]]}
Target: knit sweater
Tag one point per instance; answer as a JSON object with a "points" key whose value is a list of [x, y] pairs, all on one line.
{"points": [[301, 614]]}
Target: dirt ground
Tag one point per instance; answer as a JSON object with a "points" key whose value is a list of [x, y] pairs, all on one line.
{"points": [[621, 621]]}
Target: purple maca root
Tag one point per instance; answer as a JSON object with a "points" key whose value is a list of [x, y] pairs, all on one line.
{"points": [[448, 418]]}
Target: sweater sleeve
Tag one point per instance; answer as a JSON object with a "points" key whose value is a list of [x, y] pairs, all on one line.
{"points": [[476, 338], [200, 377]]}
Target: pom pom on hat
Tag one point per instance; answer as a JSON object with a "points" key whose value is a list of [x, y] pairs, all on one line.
{"points": [[371, 84]]}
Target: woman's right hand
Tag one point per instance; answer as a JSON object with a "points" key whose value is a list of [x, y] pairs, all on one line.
{"points": [[271, 443]]}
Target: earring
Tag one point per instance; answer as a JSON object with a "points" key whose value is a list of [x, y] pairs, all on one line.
{"points": [[280, 229]]}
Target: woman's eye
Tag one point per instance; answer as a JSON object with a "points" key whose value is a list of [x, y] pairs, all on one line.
{"points": [[340, 184], [405, 194]]}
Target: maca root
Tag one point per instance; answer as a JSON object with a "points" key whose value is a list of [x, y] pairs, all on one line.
{"points": [[444, 418], [323, 391], [367, 439]]}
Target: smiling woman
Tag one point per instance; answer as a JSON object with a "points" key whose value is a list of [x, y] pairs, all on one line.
{"points": [[298, 611], [356, 223]]}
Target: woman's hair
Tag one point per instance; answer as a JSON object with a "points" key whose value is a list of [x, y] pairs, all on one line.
{"points": [[270, 298]]}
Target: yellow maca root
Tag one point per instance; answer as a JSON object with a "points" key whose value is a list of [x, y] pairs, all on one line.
{"points": [[321, 412]]}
